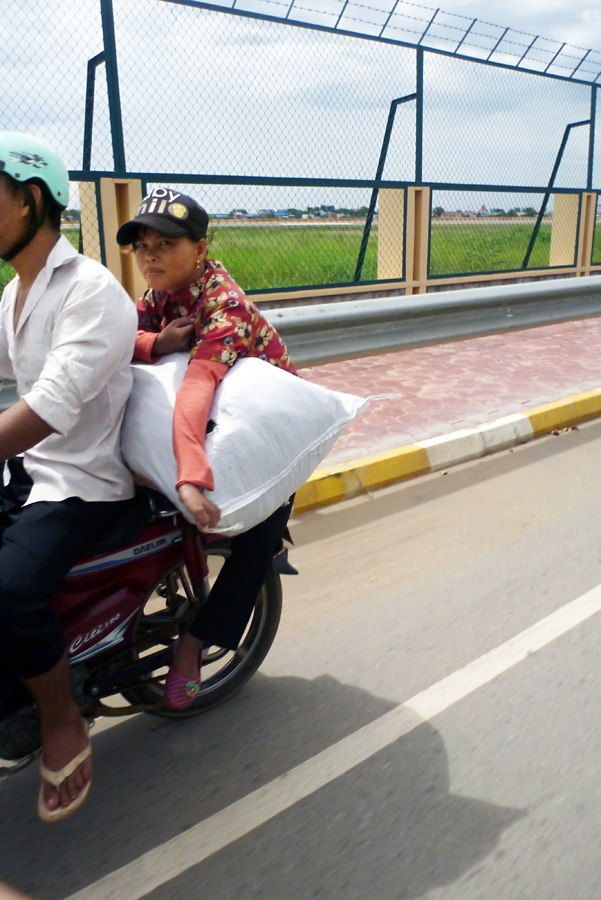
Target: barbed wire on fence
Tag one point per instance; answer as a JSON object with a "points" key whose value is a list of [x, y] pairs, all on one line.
{"points": [[435, 32]]}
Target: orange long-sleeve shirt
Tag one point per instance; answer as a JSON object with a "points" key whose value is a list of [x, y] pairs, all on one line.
{"points": [[190, 415]]}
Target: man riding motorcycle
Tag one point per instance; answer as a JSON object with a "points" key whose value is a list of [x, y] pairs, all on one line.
{"points": [[67, 332]]}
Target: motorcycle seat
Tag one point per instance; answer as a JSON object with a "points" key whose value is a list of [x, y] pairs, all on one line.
{"points": [[160, 506]]}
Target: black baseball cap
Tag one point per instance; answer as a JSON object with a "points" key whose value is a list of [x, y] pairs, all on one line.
{"points": [[168, 212]]}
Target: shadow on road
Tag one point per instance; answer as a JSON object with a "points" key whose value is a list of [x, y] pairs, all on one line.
{"points": [[389, 828]]}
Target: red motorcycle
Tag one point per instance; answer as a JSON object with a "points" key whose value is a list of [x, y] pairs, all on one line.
{"points": [[122, 609]]}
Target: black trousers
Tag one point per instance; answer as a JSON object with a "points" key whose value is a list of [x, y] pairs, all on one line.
{"points": [[40, 543], [230, 603]]}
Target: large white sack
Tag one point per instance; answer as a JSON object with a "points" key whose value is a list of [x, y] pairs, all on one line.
{"points": [[272, 429]]}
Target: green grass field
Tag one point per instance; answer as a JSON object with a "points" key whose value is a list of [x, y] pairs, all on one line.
{"points": [[278, 256], [466, 248], [597, 245], [6, 273], [260, 257]]}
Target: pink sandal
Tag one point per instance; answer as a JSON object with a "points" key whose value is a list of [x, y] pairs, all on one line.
{"points": [[181, 692]]}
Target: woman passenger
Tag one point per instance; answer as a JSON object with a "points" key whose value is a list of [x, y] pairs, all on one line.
{"points": [[192, 303]]}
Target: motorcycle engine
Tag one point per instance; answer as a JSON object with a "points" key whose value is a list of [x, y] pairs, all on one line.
{"points": [[20, 734]]}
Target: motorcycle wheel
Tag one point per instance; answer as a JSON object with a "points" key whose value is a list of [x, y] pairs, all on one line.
{"points": [[224, 672]]}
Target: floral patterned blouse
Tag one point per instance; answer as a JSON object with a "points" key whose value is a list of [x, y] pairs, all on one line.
{"points": [[227, 325]]}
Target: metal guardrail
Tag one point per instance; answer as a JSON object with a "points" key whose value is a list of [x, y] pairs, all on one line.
{"points": [[332, 331], [327, 332]]}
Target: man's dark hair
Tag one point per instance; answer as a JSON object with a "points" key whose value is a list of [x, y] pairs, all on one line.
{"points": [[52, 211]]}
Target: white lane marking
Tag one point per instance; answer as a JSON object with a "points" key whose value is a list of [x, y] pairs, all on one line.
{"points": [[155, 868]]}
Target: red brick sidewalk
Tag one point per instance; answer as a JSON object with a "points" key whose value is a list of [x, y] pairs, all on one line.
{"points": [[430, 391]]}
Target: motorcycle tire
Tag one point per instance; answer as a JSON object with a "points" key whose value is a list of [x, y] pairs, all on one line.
{"points": [[223, 672]]}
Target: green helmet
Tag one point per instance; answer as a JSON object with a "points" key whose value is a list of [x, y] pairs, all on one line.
{"points": [[24, 157]]}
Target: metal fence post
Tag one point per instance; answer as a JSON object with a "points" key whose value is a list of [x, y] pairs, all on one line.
{"points": [[112, 83], [88, 126], [419, 114], [591, 139], [376, 187], [417, 235], [586, 233]]}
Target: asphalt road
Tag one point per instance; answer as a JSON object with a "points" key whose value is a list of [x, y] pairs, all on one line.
{"points": [[426, 725]]}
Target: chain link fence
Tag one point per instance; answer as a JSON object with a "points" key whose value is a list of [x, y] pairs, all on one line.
{"points": [[475, 232], [287, 127]]}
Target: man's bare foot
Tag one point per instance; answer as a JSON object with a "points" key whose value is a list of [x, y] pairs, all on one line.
{"points": [[61, 742], [8, 893], [64, 737], [185, 656]]}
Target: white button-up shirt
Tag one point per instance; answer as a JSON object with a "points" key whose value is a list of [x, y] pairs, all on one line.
{"points": [[71, 359]]}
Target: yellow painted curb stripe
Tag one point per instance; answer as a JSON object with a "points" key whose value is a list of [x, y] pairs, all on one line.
{"points": [[564, 413], [350, 479], [327, 486]]}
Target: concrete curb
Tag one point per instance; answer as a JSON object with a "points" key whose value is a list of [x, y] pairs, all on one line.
{"points": [[360, 476]]}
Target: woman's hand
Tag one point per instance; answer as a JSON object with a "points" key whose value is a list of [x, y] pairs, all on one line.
{"points": [[206, 514], [177, 335]]}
